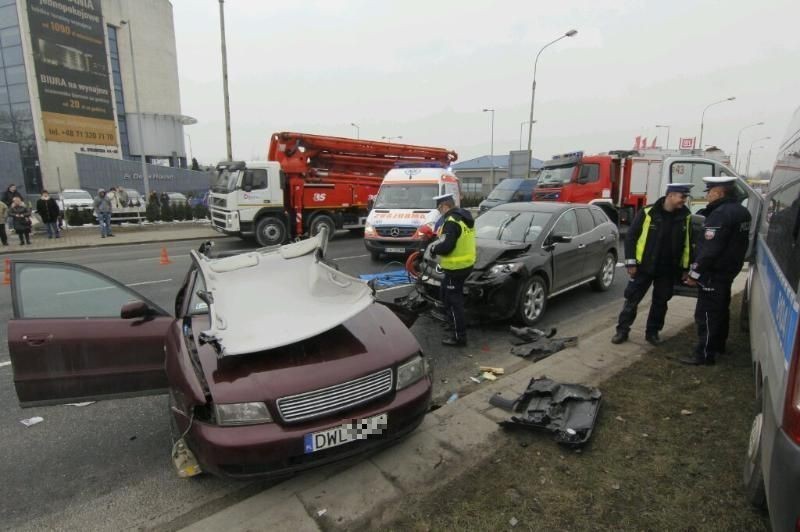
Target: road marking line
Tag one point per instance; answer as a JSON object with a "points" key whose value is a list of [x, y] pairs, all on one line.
{"points": [[4, 364], [353, 257], [99, 288], [148, 259]]}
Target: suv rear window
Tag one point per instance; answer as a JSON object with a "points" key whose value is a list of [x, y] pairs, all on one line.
{"points": [[783, 230]]}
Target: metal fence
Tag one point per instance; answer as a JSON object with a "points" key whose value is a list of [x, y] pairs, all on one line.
{"points": [[103, 172], [11, 167]]}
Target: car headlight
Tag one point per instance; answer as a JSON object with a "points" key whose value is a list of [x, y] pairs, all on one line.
{"points": [[242, 414], [411, 372], [504, 269], [369, 229]]}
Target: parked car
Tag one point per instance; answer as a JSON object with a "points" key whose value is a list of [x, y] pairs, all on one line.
{"points": [[256, 388], [508, 191], [133, 211], [530, 252], [770, 307], [74, 197], [176, 198]]}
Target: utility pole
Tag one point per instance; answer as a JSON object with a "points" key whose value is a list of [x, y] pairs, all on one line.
{"points": [[225, 80], [139, 114]]}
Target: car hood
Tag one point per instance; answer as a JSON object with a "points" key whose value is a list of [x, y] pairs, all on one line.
{"points": [[490, 251], [369, 342]]}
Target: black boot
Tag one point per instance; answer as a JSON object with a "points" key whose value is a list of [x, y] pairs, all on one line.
{"points": [[619, 338], [697, 360], [653, 339], [454, 342]]}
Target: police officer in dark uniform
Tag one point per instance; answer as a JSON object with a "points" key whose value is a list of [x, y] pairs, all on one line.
{"points": [[657, 249], [719, 258], [456, 246]]}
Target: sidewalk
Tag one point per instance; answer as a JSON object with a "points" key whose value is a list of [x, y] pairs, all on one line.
{"points": [[89, 236], [370, 493]]}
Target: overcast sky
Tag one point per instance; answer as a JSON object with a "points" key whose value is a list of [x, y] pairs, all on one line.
{"points": [[424, 70]]}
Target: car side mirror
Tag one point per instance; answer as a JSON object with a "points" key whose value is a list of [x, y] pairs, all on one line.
{"points": [[247, 188], [134, 309], [560, 239]]}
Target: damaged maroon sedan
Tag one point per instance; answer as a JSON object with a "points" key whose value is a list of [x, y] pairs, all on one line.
{"points": [[274, 362]]}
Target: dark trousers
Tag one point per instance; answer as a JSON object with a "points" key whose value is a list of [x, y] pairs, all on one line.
{"points": [[712, 316], [635, 291], [24, 236], [452, 291], [3, 236]]}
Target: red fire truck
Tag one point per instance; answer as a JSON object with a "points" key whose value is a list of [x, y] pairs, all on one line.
{"points": [[307, 182], [622, 182]]}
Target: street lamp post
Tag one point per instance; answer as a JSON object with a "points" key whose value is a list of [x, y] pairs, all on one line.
{"points": [[570, 33], [703, 116], [390, 139], [228, 144], [358, 129], [145, 178], [738, 138], [521, 125], [491, 144], [191, 152], [667, 128], [747, 171]]}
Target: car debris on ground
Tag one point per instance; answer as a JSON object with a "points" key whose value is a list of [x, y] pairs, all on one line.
{"points": [[569, 411], [534, 344], [31, 421]]}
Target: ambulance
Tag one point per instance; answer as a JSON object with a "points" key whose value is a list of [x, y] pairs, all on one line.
{"points": [[404, 203]]}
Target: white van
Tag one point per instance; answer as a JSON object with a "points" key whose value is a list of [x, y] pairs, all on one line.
{"points": [[404, 203]]}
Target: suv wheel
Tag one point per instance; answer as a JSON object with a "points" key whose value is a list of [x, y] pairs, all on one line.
{"points": [[605, 277], [532, 301]]}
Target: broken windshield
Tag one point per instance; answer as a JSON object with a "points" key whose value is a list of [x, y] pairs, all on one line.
{"points": [[557, 175]]}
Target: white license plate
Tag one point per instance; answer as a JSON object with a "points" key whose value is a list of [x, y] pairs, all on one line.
{"points": [[395, 250], [359, 429]]}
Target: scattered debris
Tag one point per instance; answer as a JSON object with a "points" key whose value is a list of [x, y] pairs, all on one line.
{"points": [[620, 418], [489, 376], [513, 521], [132, 438], [490, 369], [529, 334], [444, 381], [615, 486], [452, 399], [85, 403], [31, 421], [685, 412], [475, 380], [543, 347], [569, 411], [322, 512]]}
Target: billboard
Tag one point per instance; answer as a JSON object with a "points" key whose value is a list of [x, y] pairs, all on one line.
{"points": [[69, 55]]}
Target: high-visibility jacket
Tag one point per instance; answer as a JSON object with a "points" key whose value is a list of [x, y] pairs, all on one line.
{"points": [[464, 254], [644, 237]]}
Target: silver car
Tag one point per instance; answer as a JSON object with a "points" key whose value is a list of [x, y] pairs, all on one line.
{"points": [[772, 466]]}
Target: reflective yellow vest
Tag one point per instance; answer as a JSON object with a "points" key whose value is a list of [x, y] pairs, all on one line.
{"points": [[464, 254], [642, 242]]}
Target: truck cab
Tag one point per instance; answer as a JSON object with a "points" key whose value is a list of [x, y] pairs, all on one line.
{"points": [[404, 203], [244, 191]]}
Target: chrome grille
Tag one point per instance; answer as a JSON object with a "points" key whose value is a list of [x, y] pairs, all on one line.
{"points": [[218, 202], [396, 231], [335, 398]]}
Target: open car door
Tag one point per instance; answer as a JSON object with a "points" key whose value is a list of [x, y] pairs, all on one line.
{"points": [[693, 170], [68, 340]]}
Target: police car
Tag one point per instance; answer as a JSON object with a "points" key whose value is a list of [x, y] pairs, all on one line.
{"points": [[772, 465]]}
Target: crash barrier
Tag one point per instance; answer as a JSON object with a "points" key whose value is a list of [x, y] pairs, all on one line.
{"points": [[388, 279]]}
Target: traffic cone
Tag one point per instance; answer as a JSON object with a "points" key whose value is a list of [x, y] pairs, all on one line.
{"points": [[7, 272], [164, 256]]}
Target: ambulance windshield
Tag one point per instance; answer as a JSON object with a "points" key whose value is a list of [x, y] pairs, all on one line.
{"points": [[406, 196]]}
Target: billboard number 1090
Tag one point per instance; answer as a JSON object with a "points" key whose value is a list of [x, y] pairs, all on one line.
{"points": [[60, 28]]}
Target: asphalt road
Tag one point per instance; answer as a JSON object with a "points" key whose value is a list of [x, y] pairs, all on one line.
{"points": [[107, 466]]}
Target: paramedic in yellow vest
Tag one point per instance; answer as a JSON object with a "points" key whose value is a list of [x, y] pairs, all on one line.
{"points": [[657, 249], [456, 247]]}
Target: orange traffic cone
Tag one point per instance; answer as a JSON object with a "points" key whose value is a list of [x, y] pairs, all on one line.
{"points": [[164, 256], [7, 273]]}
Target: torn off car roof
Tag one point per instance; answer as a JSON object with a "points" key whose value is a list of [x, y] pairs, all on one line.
{"points": [[273, 297]]}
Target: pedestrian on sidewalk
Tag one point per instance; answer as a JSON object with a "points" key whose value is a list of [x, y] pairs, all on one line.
{"points": [[8, 198], [719, 259], [122, 197], [48, 211], [3, 217], [456, 245], [112, 197], [657, 249], [103, 209], [22, 220]]}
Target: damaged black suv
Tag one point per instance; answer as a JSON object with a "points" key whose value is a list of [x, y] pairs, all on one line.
{"points": [[529, 252]]}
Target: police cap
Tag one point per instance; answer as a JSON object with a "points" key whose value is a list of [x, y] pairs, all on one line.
{"points": [[719, 181], [444, 197], [681, 188]]}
